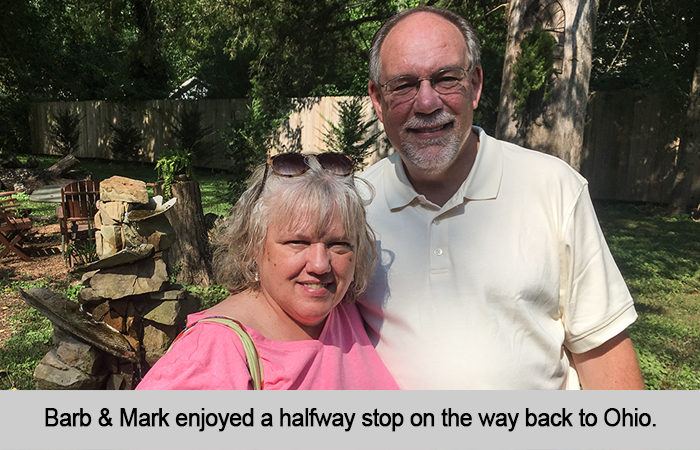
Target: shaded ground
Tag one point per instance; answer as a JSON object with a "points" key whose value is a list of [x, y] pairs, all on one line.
{"points": [[43, 244]]}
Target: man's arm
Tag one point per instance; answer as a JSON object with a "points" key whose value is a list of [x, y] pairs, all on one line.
{"points": [[613, 365]]}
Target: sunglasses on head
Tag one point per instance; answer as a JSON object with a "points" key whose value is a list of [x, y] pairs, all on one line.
{"points": [[295, 164]]}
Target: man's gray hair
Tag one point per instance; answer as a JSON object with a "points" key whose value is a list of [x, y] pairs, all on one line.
{"points": [[317, 199], [470, 37]]}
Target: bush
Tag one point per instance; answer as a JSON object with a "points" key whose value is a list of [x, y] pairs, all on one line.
{"points": [[126, 138], [189, 132], [64, 132]]}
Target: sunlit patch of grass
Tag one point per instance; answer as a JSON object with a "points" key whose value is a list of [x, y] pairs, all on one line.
{"points": [[659, 257], [22, 351]]}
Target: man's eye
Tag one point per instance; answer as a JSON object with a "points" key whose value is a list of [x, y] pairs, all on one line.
{"points": [[403, 85], [446, 81]]}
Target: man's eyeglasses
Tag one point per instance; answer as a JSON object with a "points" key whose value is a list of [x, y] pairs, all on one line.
{"points": [[295, 164], [405, 87]]}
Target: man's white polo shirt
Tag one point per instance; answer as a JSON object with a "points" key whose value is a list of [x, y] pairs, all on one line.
{"points": [[487, 291]]}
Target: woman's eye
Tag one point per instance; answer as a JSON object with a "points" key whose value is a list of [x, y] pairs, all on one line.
{"points": [[341, 247]]}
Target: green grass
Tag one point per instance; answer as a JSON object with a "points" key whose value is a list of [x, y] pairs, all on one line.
{"points": [[659, 258], [30, 339]]}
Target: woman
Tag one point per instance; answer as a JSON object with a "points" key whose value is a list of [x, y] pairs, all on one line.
{"points": [[296, 252]]}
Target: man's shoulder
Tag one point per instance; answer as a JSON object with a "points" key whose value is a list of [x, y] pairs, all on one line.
{"points": [[532, 163], [378, 170]]}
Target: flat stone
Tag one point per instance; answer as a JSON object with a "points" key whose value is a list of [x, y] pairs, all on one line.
{"points": [[170, 294], [53, 374], [89, 296], [122, 189], [125, 256], [79, 354], [85, 279], [111, 240], [112, 212], [156, 340], [165, 312], [100, 311], [98, 220]]}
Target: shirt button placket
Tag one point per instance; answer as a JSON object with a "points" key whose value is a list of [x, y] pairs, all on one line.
{"points": [[438, 245]]}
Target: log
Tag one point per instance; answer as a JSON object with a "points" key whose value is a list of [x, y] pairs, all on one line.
{"points": [[60, 168], [190, 257], [27, 180], [68, 316]]}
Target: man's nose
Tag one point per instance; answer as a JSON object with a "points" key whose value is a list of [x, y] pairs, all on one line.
{"points": [[427, 99], [318, 260]]}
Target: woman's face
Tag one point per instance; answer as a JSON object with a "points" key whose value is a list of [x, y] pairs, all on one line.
{"points": [[306, 274]]}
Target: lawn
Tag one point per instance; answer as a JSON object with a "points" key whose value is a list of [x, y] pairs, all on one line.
{"points": [[659, 257]]}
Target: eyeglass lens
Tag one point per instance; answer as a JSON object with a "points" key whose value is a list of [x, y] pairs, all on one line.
{"points": [[293, 164], [289, 164], [444, 82], [336, 163]]}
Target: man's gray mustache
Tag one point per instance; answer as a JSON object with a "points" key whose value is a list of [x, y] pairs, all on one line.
{"points": [[437, 120]]}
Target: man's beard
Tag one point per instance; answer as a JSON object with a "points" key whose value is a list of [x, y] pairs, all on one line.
{"points": [[414, 150]]}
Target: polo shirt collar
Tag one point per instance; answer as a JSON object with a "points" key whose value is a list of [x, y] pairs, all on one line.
{"points": [[483, 182]]}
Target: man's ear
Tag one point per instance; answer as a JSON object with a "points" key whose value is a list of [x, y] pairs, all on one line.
{"points": [[376, 96], [477, 83]]}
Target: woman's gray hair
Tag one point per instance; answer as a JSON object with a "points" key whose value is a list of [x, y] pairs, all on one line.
{"points": [[470, 37], [316, 198]]}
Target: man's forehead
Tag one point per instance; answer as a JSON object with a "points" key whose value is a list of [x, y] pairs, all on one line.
{"points": [[421, 36]]}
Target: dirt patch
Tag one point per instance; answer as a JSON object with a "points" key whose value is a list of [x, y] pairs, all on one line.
{"points": [[43, 244]]}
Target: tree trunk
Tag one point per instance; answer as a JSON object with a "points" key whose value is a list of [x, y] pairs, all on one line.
{"points": [[558, 128], [190, 256], [686, 190]]}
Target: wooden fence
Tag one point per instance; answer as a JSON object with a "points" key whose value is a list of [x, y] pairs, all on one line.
{"points": [[304, 129], [629, 152], [630, 147]]}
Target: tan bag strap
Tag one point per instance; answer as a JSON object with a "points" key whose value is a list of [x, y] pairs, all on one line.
{"points": [[253, 360]]}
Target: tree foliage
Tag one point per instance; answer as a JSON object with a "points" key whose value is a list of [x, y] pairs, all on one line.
{"points": [[533, 71]]}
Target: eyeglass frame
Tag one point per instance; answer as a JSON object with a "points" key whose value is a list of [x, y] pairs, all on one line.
{"points": [[269, 165], [431, 78]]}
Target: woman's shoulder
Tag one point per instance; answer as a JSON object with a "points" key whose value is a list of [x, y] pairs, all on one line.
{"points": [[207, 355]]}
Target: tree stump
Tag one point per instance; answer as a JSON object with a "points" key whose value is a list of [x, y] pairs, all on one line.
{"points": [[190, 256]]}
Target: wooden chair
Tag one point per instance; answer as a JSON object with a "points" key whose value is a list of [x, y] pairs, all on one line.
{"points": [[77, 212], [13, 229]]}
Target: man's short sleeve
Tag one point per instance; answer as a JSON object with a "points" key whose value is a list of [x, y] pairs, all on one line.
{"points": [[595, 302]]}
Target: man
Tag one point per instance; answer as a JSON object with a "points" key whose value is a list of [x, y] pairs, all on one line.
{"points": [[494, 272]]}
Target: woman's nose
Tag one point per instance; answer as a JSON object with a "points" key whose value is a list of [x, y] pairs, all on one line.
{"points": [[319, 260]]}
